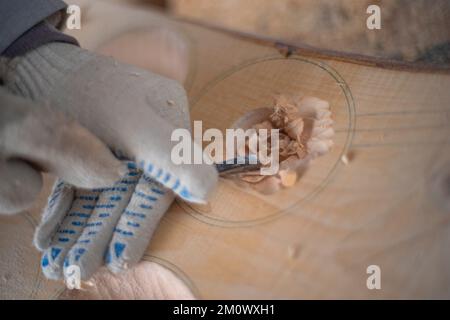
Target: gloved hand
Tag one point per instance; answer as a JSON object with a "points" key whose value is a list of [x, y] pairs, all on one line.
{"points": [[134, 112], [85, 228], [33, 138]]}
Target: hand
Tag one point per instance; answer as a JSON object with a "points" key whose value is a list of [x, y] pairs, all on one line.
{"points": [[132, 111], [33, 138], [85, 228]]}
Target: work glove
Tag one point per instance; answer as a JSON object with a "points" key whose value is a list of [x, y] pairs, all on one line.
{"points": [[132, 111], [34, 138]]}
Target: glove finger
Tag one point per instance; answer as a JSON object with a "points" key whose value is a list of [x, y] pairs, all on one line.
{"points": [[68, 233], [89, 250], [155, 151], [58, 204], [148, 203], [20, 186], [52, 142], [192, 183]]}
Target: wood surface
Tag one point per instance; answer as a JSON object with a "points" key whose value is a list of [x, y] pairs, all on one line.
{"points": [[410, 29], [388, 206]]}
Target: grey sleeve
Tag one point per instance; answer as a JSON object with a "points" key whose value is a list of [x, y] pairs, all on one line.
{"points": [[18, 16]]}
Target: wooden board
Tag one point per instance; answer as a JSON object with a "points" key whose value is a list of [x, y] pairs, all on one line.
{"points": [[389, 206], [408, 28]]}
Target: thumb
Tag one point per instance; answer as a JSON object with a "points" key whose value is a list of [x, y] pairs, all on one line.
{"points": [[52, 143], [20, 186]]}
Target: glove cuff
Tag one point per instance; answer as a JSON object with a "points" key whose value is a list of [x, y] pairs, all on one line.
{"points": [[35, 74]]}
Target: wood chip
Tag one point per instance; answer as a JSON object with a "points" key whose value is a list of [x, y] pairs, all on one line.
{"points": [[288, 177]]}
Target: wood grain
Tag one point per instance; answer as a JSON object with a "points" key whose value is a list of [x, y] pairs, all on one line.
{"points": [[388, 206], [379, 209]]}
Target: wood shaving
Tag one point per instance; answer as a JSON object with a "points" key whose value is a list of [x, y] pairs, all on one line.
{"points": [[306, 132]]}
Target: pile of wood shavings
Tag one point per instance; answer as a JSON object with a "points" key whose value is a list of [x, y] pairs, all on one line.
{"points": [[306, 132]]}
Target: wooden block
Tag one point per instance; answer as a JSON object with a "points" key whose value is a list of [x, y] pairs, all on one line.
{"points": [[393, 122], [386, 205]]}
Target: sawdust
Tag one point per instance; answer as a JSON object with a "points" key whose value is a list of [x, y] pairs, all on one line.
{"points": [[306, 132]]}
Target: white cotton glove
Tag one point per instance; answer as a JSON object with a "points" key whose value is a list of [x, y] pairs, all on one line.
{"points": [[33, 138], [134, 112], [113, 225]]}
